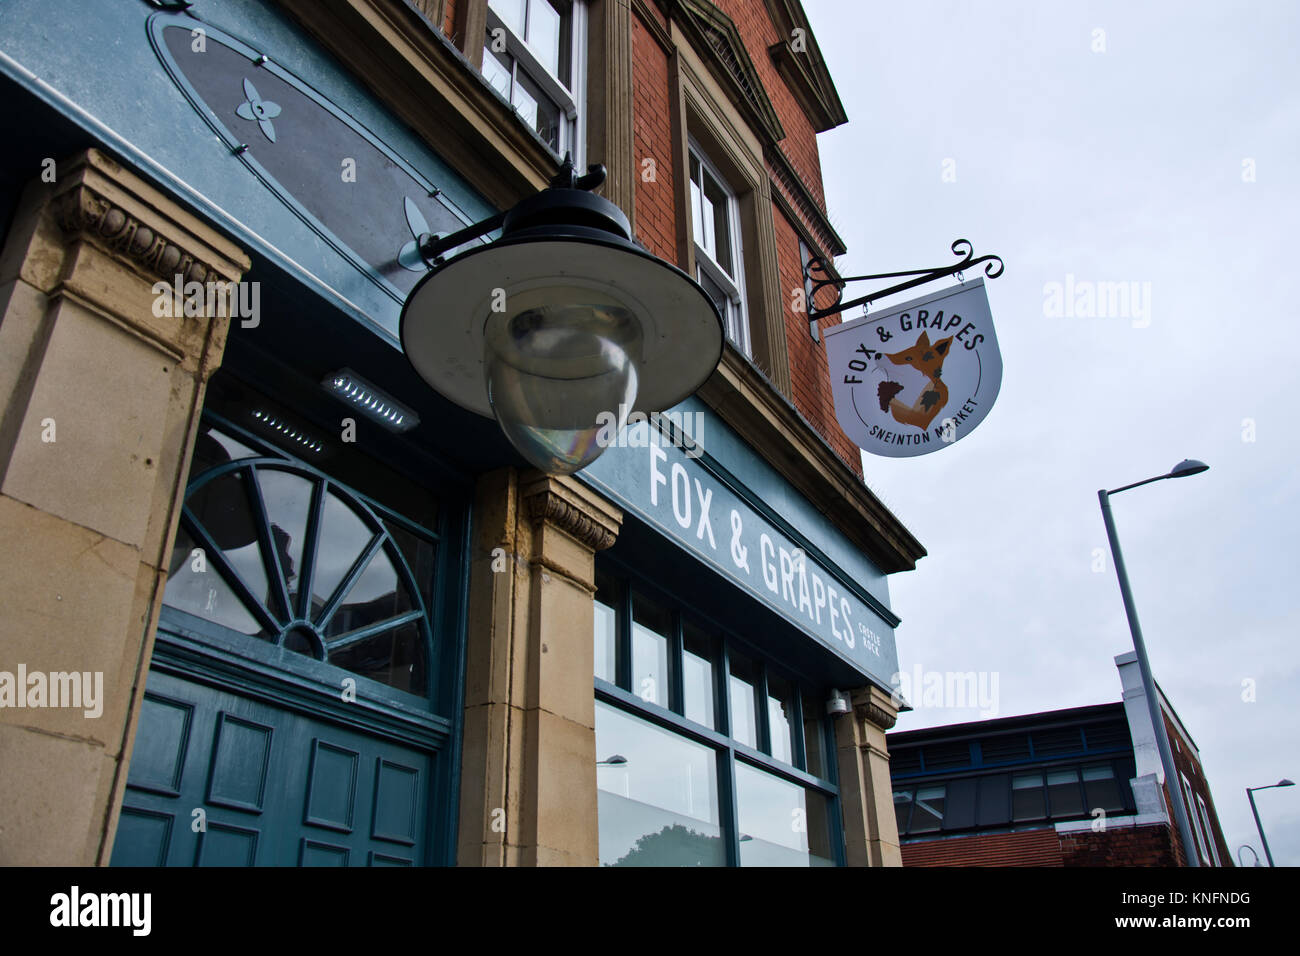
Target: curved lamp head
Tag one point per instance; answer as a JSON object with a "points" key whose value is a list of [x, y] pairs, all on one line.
{"points": [[1285, 783], [1188, 466], [561, 328]]}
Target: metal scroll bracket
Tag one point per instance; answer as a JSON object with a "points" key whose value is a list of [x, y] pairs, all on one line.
{"points": [[817, 276]]}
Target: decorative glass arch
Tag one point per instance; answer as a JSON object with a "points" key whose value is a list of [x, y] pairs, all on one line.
{"points": [[274, 549]]}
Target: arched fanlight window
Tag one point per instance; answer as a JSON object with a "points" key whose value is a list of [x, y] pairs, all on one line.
{"points": [[273, 549]]}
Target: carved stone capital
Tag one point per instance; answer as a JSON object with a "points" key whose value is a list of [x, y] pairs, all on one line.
{"points": [[873, 706], [571, 507], [98, 200]]}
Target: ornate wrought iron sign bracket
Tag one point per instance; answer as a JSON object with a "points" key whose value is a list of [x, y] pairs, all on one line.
{"points": [[819, 276]]}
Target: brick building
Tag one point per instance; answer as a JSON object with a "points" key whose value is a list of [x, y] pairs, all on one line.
{"points": [[334, 630], [1061, 788]]}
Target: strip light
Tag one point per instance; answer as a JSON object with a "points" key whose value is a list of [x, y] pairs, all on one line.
{"points": [[273, 424], [372, 402]]}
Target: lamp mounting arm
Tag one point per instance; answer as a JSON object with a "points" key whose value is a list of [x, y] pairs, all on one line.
{"points": [[817, 272], [433, 246]]}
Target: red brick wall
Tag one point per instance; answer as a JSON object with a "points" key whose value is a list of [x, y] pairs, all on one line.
{"points": [[1022, 848], [1119, 846], [449, 17], [1189, 765], [809, 375], [800, 144], [652, 138]]}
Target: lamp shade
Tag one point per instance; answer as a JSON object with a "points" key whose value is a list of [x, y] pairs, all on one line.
{"points": [[560, 328]]}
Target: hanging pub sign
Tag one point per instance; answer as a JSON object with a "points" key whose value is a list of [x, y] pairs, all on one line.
{"points": [[918, 377]]}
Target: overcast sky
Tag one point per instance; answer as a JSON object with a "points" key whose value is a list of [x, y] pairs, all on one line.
{"points": [[1120, 156]]}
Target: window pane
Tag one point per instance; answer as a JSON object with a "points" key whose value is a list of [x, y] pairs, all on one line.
{"points": [[698, 670], [343, 539], [814, 736], [780, 718], [650, 628], [1027, 801], [719, 296], [544, 34], [1102, 789], [744, 700], [697, 219], [606, 632], [204, 593], [781, 823], [928, 814], [538, 110], [396, 658], [496, 70], [902, 809], [718, 227], [377, 595], [1063, 793], [658, 795], [511, 13]]}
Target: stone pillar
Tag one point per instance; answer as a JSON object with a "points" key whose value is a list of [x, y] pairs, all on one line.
{"points": [[866, 792], [528, 766], [99, 398]]}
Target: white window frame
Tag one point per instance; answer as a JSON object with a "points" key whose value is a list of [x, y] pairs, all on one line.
{"points": [[572, 102], [1190, 805], [1207, 829], [736, 321]]}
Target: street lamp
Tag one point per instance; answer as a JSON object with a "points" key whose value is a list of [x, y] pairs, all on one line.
{"points": [[561, 327], [1259, 826], [1183, 469]]}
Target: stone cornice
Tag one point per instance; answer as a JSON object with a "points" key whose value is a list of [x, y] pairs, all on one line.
{"points": [[752, 406], [719, 44], [95, 200], [804, 70], [875, 707], [572, 508]]}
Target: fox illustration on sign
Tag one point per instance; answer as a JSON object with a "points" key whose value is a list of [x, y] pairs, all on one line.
{"points": [[937, 385]]}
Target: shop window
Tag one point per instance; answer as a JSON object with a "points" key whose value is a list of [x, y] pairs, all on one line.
{"points": [[651, 626], [699, 675], [533, 55], [781, 823], [688, 721], [657, 795], [715, 226]]}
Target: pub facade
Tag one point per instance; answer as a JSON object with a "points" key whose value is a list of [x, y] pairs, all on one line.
{"points": [[269, 599]]}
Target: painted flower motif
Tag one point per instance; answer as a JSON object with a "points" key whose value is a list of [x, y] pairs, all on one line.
{"points": [[256, 108], [409, 257]]}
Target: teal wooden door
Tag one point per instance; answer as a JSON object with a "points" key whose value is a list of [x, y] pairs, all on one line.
{"points": [[298, 709]]}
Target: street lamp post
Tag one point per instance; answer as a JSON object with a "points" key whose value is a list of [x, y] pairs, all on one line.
{"points": [[1259, 826], [1181, 470]]}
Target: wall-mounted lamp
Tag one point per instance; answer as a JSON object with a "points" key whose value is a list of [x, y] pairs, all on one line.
{"points": [[558, 324], [838, 703]]}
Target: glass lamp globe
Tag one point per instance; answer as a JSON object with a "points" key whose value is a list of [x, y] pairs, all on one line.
{"points": [[562, 378]]}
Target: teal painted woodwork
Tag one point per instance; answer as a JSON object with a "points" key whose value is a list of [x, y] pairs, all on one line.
{"points": [[297, 708]]}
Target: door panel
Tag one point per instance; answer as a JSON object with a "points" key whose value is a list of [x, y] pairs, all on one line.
{"points": [[275, 787]]}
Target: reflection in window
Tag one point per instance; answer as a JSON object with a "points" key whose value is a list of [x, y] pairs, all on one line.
{"points": [[814, 736], [902, 809], [698, 657], [657, 793], [606, 630], [928, 814], [780, 718], [395, 657], [744, 700], [781, 823], [196, 587], [377, 595], [344, 537], [651, 624]]}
